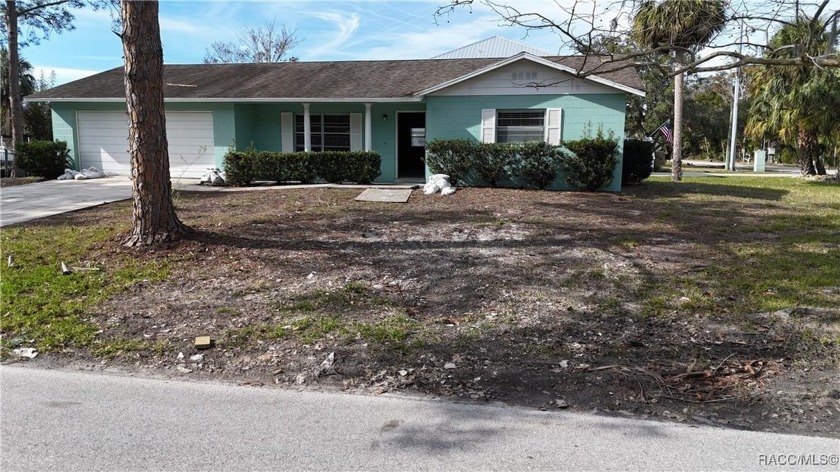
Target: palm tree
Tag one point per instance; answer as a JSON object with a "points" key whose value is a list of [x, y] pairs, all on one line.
{"points": [[680, 27], [799, 104]]}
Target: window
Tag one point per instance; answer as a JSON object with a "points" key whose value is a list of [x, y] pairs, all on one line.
{"points": [[519, 126], [328, 132]]}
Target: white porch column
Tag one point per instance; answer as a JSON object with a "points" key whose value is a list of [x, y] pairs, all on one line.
{"points": [[368, 129], [307, 129]]}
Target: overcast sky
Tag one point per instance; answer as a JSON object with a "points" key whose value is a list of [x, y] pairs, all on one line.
{"points": [[328, 30]]}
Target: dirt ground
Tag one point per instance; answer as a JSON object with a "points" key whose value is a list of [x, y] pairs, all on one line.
{"points": [[10, 182], [549, 300]]}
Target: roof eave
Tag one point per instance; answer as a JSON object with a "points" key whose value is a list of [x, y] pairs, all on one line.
{"points": [[410, 99]]}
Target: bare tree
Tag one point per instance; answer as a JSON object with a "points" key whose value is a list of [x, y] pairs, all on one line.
{"points": [[586, 25], [264, 44], [154, 219], [579, 24]]}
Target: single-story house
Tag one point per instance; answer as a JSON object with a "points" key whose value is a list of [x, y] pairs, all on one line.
{"points": [[392, 107]]}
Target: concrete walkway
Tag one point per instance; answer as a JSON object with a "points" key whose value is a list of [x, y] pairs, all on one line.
{"points": [[52, 197], [28, 202]]}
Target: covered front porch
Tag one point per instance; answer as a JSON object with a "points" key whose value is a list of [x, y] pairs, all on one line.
{"points": [[395, 130]]}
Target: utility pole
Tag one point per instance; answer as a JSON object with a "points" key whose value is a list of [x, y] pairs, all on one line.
{"points": [[733, 136]]}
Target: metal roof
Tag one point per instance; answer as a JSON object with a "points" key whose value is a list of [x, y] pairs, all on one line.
{"points": [[496, 46]]}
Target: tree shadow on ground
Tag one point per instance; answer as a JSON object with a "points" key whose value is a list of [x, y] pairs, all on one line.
{"points": [[657, 190], [660, 307]]}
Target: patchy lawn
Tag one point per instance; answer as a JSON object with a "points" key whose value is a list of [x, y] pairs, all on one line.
{"points": [[714, 301]]}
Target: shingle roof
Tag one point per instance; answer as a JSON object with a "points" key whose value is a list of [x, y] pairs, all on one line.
{"points": [[296, 80], [496, 46]]}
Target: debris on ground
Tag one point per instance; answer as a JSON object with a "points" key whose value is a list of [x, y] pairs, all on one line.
{"points": [[519, 297], [84, 174], [25, 352], [213, 176], [326, 364], [438, 183]]}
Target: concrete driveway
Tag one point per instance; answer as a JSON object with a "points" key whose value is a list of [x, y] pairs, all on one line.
{"points": [[28, 202]]}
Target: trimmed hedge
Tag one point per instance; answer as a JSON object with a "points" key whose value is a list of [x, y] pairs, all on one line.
{"points": [[46, 159], [539, 163], [534, 163], [493, 161], [588, 163], [592, 161], [452, 157], [638, 161], [244, 167], [339, 166]]}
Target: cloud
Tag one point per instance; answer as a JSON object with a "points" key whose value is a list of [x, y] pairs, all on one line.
{"points": [[437, 39], [347, 26], [172, 25]]}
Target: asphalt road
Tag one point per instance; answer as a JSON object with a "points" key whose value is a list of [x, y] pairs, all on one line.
{"points": [[63, 420]]}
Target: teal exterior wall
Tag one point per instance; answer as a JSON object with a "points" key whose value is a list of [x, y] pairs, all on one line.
{"points": [[65, 126], [384, 124], [449, 117], [244, 124]]}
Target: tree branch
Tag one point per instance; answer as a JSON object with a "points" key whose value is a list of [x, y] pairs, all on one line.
{"points": [[38, 6]]}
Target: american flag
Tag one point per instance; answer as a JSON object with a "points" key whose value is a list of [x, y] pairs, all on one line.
{"points": [[666, 131]]}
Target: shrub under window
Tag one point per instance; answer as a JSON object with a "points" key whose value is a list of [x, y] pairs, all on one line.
{"points": [[591, 161]]}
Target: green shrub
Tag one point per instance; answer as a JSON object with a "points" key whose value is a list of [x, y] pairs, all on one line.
{"points": [[788, 155], [492, 161], [638, 161], [268, 167], [244, 167], [366, 166], [538, 163], [452, 157], [354, 166], [299, 166], [240, 166], [46, 159], [591, 162], [332, 167]]}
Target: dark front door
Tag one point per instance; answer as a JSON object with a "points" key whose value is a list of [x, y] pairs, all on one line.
{"points": [[411, 145]]}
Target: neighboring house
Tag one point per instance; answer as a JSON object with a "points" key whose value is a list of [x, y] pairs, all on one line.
{"points": [[496, 46], [391, 107]]}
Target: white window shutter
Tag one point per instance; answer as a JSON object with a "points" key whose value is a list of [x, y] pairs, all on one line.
{"points": [[553, 125], [488, 125], [287, 131], [355, 131]]}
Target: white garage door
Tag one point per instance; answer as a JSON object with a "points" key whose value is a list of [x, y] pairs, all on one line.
{"points": [[103, 142]]}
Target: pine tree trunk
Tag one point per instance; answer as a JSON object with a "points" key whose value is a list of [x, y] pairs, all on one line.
{"points": [[154, 218], [676, 159], [808, 150], [15, 106]]}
